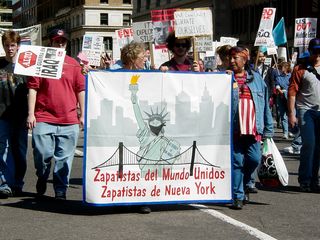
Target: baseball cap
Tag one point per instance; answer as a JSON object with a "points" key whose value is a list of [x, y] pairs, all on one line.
{"points": [[58, 33], [314, 44]]}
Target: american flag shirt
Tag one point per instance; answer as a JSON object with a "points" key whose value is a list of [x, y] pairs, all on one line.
{"points": [[247, 115]]}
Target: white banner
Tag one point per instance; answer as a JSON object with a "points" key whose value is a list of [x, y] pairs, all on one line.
{"points": [[193, 23], [264, 34], [142, 31], [40, 61], [124, 36], [154, 137], [92, 47], [305, 29], [29, 36]]}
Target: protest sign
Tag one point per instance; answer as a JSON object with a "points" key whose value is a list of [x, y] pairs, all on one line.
{"points": [[210, 63], [154, 137], [160, 55], [189, 23], [40, 61], [268, 61], [264, 34], [203, 43], [142, 31], [124, 36], [229, 41], [92, 47], [162, 24], [29, 36], [305, 29]]}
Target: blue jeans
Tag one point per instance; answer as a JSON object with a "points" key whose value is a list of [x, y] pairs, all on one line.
{"points": [[6, 159], [282, 103], [246, 158], [58, 142], [309, 122]]}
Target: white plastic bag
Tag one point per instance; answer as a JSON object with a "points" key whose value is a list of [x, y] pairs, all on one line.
{"points": [[272, 166]]}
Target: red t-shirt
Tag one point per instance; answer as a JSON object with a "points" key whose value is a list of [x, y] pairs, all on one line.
{"points": [[57, 99]]}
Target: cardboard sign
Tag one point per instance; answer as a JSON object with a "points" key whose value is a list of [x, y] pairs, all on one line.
{"points": [[229, 41], [193, 23], [142, 31], [305, 29], [264, 34], [29, 36], [204, 43], [92, 47], [124, 36], [154, 137], [40, 61]]}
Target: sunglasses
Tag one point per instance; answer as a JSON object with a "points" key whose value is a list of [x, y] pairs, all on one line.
{"points": [[182, 45]]}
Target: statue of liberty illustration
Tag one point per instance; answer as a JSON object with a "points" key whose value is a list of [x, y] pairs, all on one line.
{"points": [[156, 151]]}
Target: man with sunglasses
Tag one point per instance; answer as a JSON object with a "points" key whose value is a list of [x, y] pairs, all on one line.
{"points": [[303, 93], [180, 60], [54, 120]]}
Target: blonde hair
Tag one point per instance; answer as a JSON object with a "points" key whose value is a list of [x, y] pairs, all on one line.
{"points": [[130, 52]]}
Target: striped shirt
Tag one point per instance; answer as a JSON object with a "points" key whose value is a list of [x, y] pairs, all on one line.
{"points": [[247, 115]]}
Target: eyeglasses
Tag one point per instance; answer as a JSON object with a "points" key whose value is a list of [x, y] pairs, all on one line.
{"points": [[182, 45]]}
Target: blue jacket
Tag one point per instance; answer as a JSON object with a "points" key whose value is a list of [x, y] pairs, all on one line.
{"points": [[259, 91]]}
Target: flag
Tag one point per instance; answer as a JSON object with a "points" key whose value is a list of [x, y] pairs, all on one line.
{"points": [[279, 33]]}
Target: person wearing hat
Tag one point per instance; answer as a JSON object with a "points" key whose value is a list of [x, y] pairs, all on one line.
{"points": [[54, 120], [303, 94]]}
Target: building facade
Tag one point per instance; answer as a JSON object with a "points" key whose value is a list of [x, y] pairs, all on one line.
{"points": [[6, 14]]}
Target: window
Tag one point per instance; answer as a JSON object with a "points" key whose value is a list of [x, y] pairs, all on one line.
{"points": [[138, 6], [104, 1], [158, 3], [126, 1], [107, 41], [104, 19], [126, 19], [148, 4]]}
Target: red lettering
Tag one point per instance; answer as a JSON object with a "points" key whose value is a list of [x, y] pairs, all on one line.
{"points": [[96, 179]]}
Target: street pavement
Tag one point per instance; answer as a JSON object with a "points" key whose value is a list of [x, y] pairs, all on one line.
{"points": [[273, 213]]}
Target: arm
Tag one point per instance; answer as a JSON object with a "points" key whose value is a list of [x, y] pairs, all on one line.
{"points": [[31, 120], [291, 111], [81, 105]]}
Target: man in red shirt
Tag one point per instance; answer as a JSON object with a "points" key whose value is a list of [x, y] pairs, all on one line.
{"points": [[54, 120]]}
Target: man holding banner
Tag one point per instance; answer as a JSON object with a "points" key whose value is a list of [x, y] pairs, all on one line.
{"points": [[54, 120], [13, 114]]}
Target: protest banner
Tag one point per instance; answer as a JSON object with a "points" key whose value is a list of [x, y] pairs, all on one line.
{"points": [[124, 36], [40, 61], [305, 29], [154, 137], [29, 36], [191, 23], [229, 41], [264, 34], [162, 24], [203, 43], [142, 31], [92, 47]]}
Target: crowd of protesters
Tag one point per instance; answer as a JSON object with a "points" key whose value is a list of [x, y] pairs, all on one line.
{"points": [[41, 105]]}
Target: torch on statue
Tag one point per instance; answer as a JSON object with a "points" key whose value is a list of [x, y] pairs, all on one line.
{"points": [[156, 152]]}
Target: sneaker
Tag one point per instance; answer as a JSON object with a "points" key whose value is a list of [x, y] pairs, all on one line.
{"points": [[291, 135], [251, 190], [285, 136], [5, 191], [60, 196], [145, 210], [291, 150], [41, 186], [78, 153]]}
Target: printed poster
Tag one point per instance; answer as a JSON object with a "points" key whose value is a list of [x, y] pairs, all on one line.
{"points": [[305, 29], [92, 47], [154, 137], [40, 61], [264, 35]]}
